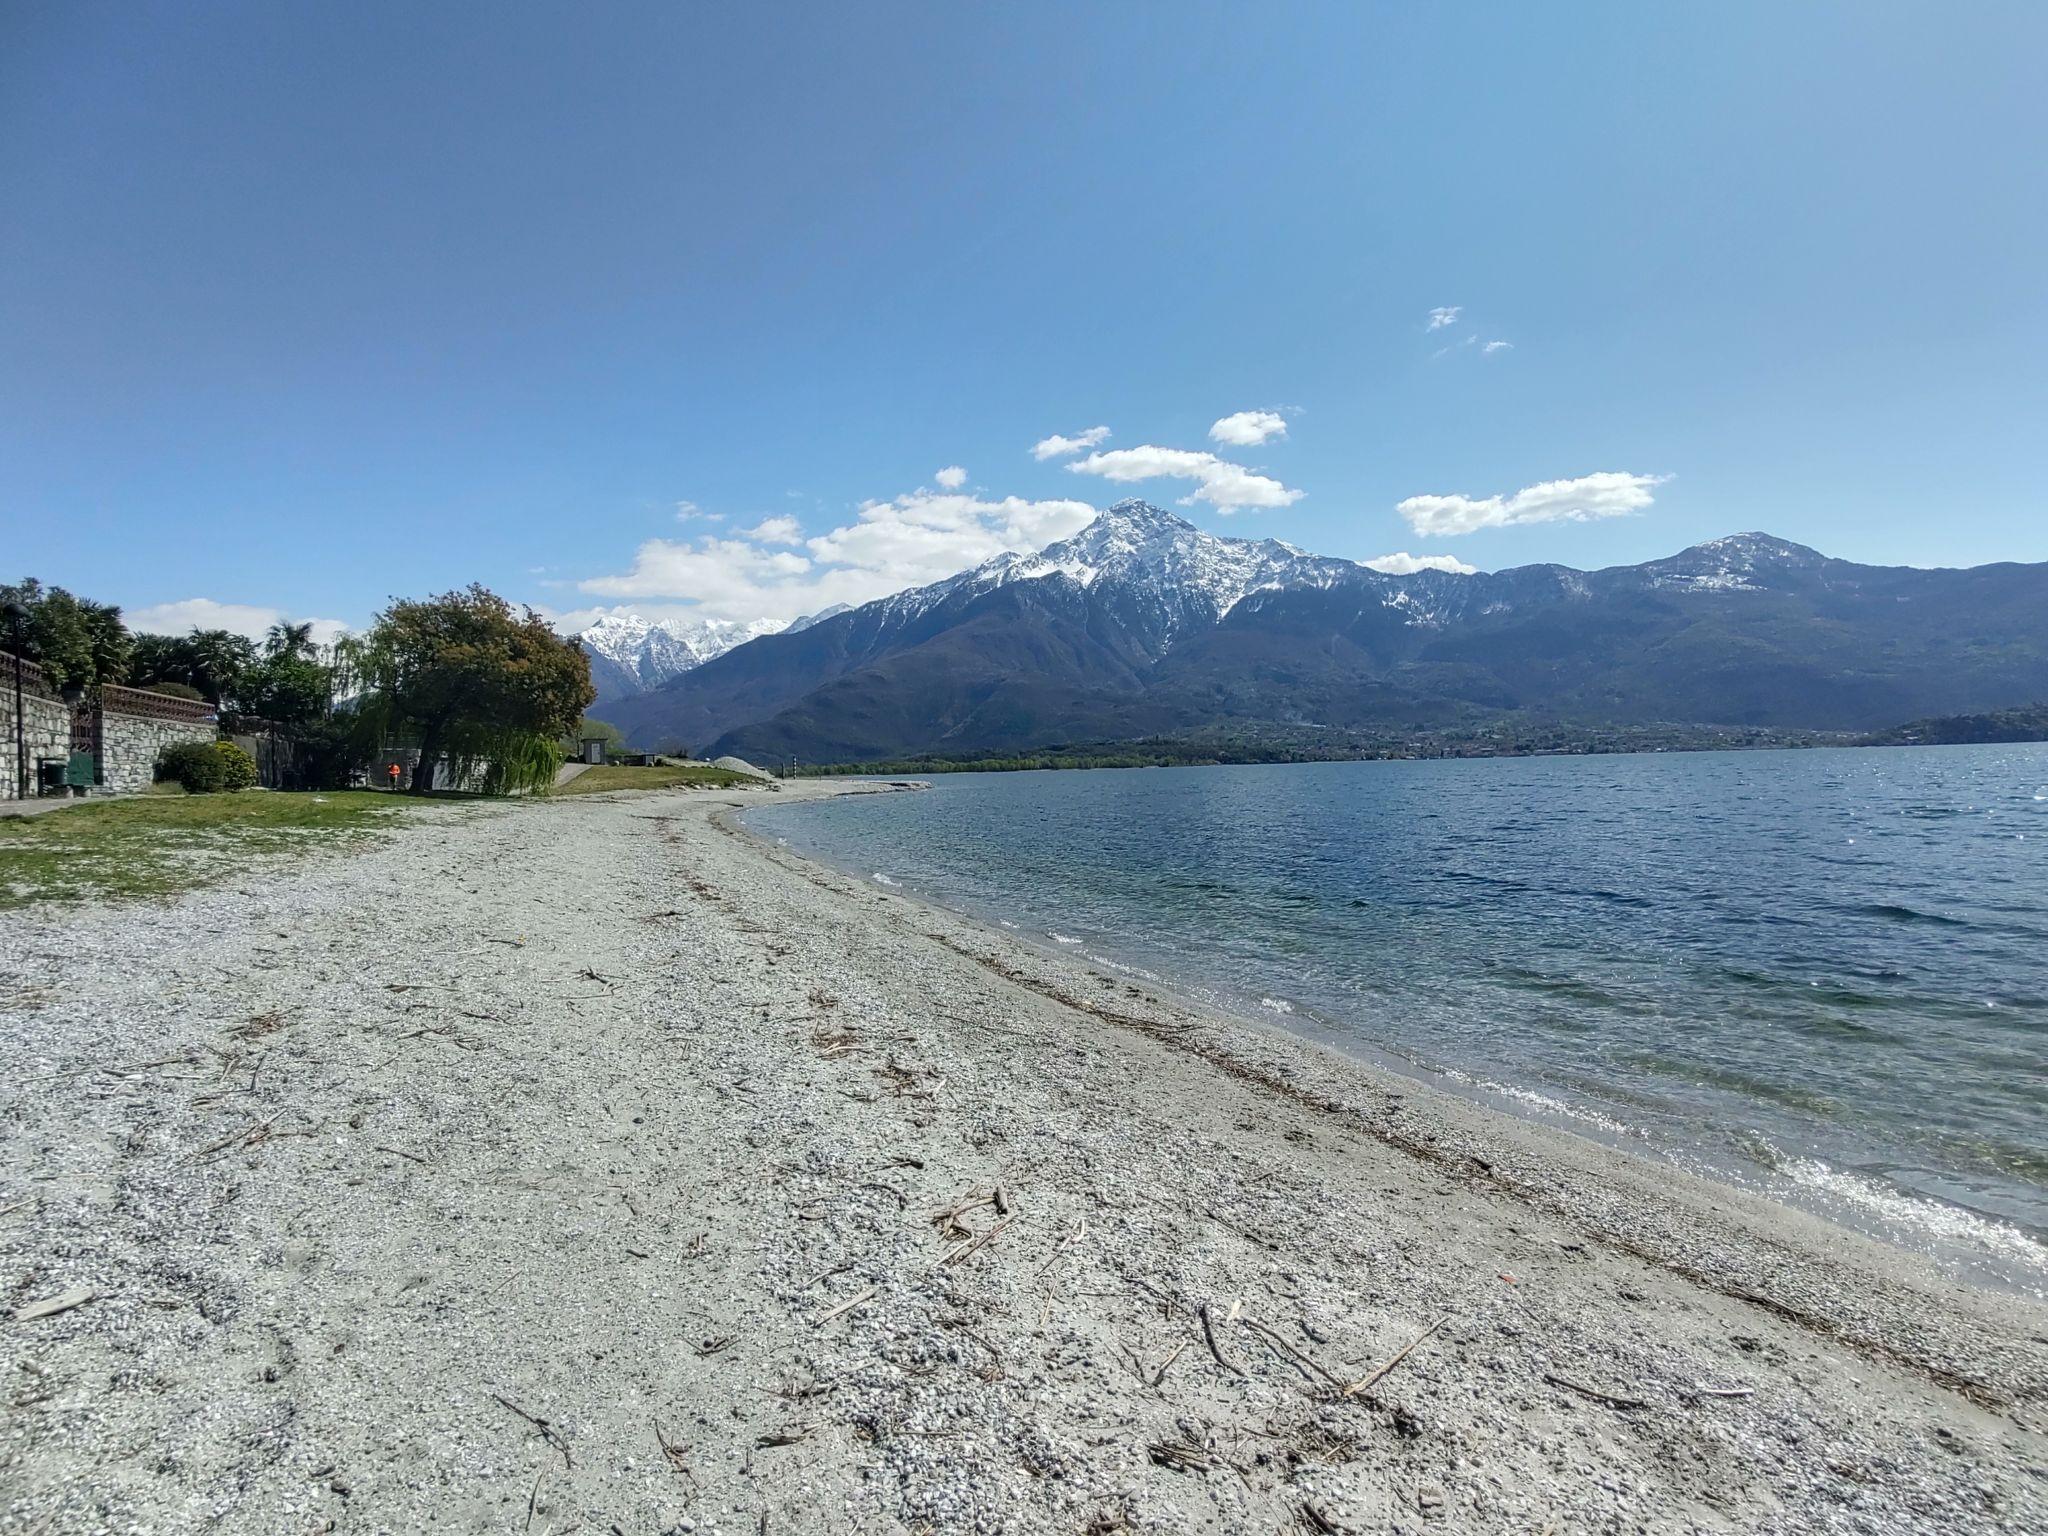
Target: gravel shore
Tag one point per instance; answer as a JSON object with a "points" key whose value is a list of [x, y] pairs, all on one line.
{"points": [[593, 1166]]}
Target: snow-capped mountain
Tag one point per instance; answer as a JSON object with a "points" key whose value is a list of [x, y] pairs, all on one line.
{"points": [[655, 650], [1142, 624], [1182, 573], [630, 654]]}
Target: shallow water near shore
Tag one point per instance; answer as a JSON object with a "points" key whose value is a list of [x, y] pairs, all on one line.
{"points": [[1820, 974]]}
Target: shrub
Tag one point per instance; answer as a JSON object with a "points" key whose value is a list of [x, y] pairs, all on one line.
{"points": [[238, 768], [194, 764]]}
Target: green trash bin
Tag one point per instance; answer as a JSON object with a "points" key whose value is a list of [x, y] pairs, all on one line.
{"points": [[78, 771]]}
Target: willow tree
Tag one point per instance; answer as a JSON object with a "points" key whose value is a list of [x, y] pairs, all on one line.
{"points": [[475, 681]]}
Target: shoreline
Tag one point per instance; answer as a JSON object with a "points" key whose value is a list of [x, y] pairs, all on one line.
{"points": [[1336, 1081], [1971, 1247], [654, 1176]]}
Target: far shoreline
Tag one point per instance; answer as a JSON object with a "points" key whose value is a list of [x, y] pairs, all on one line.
{"points": [[1088, 757]]}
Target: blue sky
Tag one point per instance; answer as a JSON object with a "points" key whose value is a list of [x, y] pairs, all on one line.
{"points": [[307, 307]]}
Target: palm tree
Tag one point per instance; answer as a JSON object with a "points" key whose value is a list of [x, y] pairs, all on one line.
{"points": [[289, 641], [218, 660]]}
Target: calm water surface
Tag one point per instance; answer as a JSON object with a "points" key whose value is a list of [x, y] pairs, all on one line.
{"points": [[1824, 974]]}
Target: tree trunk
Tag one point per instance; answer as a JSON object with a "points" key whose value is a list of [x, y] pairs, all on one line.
{"points": [[430, 754]]}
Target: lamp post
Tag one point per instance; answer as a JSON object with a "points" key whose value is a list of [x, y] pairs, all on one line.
{"points": [[17, 620]]}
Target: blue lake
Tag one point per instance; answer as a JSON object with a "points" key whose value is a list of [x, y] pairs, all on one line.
{"points": [[1823, 974]]}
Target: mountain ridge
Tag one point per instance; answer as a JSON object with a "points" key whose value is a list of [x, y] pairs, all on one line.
{"points": [[630, 654], [1142, 624]]}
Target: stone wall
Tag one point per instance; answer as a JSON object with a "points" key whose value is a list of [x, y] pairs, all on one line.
{"points": [[48, 723], [135, 725], [130, 745]]}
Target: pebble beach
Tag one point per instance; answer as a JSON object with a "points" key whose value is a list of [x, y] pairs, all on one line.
{"points": [[596, 1166]]}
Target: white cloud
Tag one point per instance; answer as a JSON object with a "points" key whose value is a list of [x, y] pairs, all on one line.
{"points": [[1405, 564], [1586, 499], [1448, 315], [690, 512], [952, 477], [1226, 486], [914, 539], [1057, 447], [774, 530], [1497, 346], [1248, 429], [248, 619]]}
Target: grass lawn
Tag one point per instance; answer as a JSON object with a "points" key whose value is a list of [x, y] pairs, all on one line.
{"points": [[159, 845], [605, 776]]}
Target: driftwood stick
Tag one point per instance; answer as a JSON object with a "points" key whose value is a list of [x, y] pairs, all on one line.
{"points": [[1359, 1386], [968, 1251], [1066, 1247], [547, 1431], [859, 1300], [1298, 1357], [1165, 1365], [1216, 1349], [1594, 1394]]}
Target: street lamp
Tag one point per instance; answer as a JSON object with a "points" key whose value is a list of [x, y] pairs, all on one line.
{"points": [[17, 624]]}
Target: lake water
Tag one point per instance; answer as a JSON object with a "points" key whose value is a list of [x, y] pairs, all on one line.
{"points": [[1823, 974]]}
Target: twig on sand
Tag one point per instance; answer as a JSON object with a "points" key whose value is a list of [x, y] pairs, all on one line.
{"points": [[1298, 1358], [493, 939], [1313, 1519], [1215, 1348], [676, 1452], [948, 1221], [859, 1300], [396, 1152], [1594, 1394], [29, 1311], [1185, 1456], [547, 1431], [533, 1496], [1361, 1385], [967, 1251], [252, 1135], [1167, 1364], [1066, 1248]]}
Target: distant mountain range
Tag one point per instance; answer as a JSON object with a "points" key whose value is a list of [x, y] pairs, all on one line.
{"points": [[1144, 625], [629, 654]]}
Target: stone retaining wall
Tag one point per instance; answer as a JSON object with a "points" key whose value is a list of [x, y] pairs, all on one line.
{"points": [[48, 723], [135, 726], [130, 745]]}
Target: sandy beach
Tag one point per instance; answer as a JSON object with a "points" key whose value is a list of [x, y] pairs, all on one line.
{"points": [[595, 1166]]}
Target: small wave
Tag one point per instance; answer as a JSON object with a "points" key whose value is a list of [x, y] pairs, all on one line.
{"points": [[1893, 912], [1276, 1004], [882, 879], [1914, 1215], [1616, 898], [1123, 967], [1549, 1105], [1060, 938]]}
